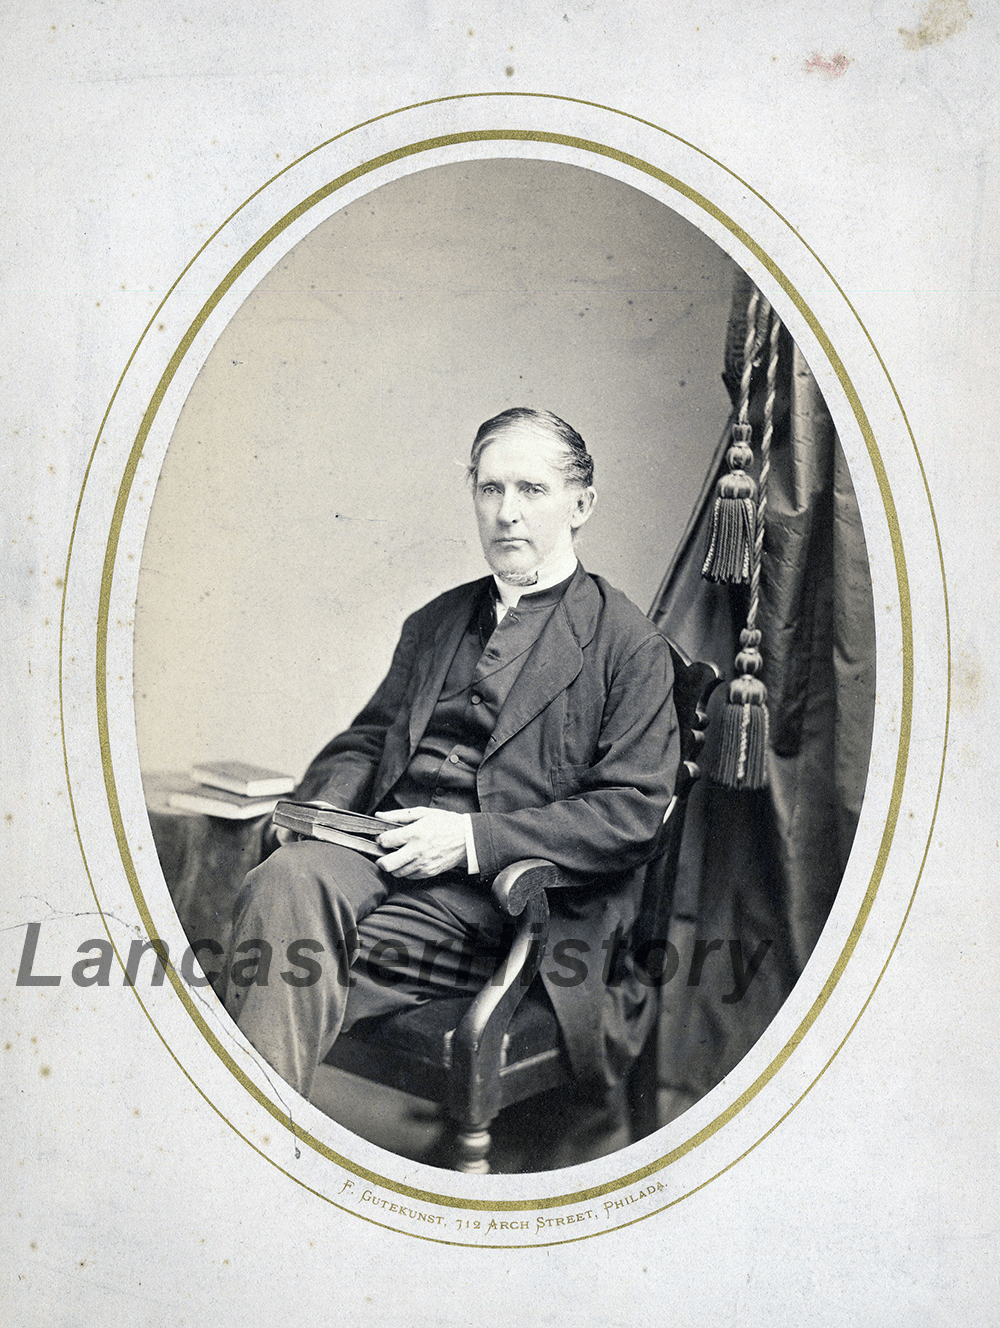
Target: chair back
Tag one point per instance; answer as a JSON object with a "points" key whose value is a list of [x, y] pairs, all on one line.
{"points": [[694, 682]]}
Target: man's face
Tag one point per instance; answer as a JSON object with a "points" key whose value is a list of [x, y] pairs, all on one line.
{"points": [[526, 511]]}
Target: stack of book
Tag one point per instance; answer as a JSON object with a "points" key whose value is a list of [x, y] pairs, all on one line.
{"points": [[234, 790]]}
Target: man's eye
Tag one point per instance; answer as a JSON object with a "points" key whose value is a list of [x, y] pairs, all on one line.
{"points": [[488, 489]]}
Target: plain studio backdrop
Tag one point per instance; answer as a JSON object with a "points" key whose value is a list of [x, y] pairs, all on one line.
{"points": [[314, 491]]}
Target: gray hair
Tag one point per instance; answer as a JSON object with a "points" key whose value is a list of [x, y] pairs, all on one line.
{"points": [[576, 463]]}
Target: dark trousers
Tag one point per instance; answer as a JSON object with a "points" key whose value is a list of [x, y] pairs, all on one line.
{"points": [[349, 942]]}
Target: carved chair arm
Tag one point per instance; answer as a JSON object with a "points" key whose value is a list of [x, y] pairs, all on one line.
{"points": [[522, 881], [477, 1045]]}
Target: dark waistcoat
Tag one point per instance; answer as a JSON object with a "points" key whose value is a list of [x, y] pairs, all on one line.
{"points": [[490, 655]]}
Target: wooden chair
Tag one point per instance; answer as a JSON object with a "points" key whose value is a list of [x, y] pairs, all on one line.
{"points": [[475, 1056]]}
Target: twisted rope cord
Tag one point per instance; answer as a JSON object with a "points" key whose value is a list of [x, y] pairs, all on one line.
{"points": [[742, 760], [749, 346], [765, 467]]}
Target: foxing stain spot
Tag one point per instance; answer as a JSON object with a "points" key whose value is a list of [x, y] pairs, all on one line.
{"points": [[940, 20], [833, 67], [509, 71], [967, 680]]}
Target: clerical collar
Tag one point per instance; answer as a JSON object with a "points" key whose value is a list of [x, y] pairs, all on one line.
{"points": [[556, 574]]}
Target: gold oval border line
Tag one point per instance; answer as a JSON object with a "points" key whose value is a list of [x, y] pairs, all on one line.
{"points": [[739, 233]]}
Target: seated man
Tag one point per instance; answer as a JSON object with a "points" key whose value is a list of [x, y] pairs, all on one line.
{"points": [[526, 714]]}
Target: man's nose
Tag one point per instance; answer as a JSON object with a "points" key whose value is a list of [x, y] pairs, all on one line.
{"points": [[510, 508]]}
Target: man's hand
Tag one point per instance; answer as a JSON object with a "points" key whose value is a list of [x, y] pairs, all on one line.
{"points": [[426, 842]]}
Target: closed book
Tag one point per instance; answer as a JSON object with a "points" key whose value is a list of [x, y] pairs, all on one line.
{"points": [[333, 818], [333, 825], [359, 845], [219, 802], [252, 781]]}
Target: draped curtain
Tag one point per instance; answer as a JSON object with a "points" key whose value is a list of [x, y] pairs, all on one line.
{"points": [[761, 867]]}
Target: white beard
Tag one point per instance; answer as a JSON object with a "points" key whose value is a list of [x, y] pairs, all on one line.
{"points": [[519, 579]]}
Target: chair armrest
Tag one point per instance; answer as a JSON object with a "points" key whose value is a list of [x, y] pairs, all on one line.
{"points": [[477, 1044], [523, 881]]}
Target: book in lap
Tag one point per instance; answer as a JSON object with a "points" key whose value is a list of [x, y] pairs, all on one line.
{"points": [[332, 825], [252, 781]]}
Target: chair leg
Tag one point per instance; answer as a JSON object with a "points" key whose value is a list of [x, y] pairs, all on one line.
{"points": [[472, 1148]]}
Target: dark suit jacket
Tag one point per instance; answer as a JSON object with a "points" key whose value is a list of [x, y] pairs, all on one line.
{"points": [[579, 770]]}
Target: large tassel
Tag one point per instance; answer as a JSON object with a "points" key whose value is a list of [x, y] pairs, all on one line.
{"points": [[734, 517], [733, 534], [741, 759]]}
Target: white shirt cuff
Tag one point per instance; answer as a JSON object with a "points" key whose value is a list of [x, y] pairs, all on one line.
{"points": [[470, 846]]}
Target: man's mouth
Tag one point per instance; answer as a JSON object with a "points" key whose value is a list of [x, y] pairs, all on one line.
{"points": [[510, 541]]}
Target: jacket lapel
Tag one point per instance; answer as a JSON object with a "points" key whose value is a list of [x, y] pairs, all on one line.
{"points": [[436, 662], [554, 662]]}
